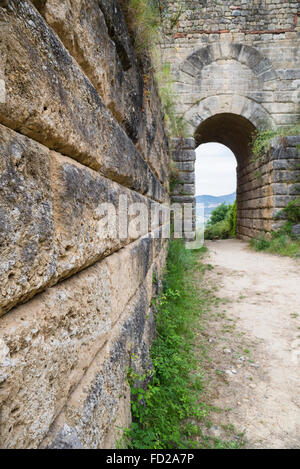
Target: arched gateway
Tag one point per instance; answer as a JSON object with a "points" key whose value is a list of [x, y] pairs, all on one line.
{"points": [[229, 85]]}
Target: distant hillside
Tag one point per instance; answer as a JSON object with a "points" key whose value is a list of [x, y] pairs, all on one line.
{"points": [[211, 202], [211, 199]]}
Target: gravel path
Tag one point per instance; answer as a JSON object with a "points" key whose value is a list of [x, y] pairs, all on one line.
{"points": [[261, 383]]}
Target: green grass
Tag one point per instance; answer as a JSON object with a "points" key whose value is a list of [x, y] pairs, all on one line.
{"points": [[143, 18], [175, 123], [168, 414], [282, 241], [220, 230]]}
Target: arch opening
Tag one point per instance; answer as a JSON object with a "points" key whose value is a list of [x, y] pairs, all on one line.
{"points": [[233, 131], [215, 170], [215, 178], [236, 133]]}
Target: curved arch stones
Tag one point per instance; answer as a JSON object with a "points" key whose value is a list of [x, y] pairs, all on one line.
{"points": [[246, 55]]}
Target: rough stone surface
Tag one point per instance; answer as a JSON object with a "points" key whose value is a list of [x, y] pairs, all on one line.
{"points": [[81, 125], [28, 254], [49, 99], [80, 192], [48, 345], [51, 212], [100, 44], [296, 230]]}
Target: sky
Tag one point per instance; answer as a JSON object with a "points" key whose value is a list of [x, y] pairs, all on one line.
{"points": [[215, 170]]}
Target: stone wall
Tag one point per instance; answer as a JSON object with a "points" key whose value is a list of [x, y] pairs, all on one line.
{"points": [[80, 126], [266, 185], [236, 69]]}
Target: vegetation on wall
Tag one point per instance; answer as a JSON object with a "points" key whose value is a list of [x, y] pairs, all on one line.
{"points": [[232, 217], [145, 18], [222, 223], [176, 124], [173, 175], [262, 140], [283, 241]]}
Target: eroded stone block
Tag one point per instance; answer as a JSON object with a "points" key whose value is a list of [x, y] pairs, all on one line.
{"points": [[49, 99], [52, 210], [28, 251], [102, 48], [48, 344]]}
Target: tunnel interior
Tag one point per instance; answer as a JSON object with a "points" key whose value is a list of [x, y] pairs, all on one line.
{"points": [[234, 131]]}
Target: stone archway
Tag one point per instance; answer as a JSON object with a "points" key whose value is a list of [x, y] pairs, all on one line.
{"points": [[227, 90], [228, 104], [236, 132], [264, 185], [245, 54]]}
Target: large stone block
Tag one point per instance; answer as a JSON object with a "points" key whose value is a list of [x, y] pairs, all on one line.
{"points": [[186, 177], [294, 189], [287, 176], [291, 164], [93, 408], [80, 195], [101, 46], [183, 199], [49, 99], [48, 344], [52, 210], [28, 250], [185, 165], [183, 143], [184, 155], [280, 189], [184, 189], [281, 201], [293, 141]]}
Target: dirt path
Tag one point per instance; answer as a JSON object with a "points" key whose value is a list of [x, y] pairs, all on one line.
{"points": [[255, 345]]}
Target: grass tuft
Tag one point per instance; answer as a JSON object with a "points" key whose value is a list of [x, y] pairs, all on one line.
{"points": [[262, 140], [282, 241]]}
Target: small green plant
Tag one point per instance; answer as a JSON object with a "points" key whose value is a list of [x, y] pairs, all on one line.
{"points": [[144, 20], [219, 214], [159, 413], [232, 218], [262, 141], [219, 230], [282, 241], [175, 123], [279, 243], [291, 212]]}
